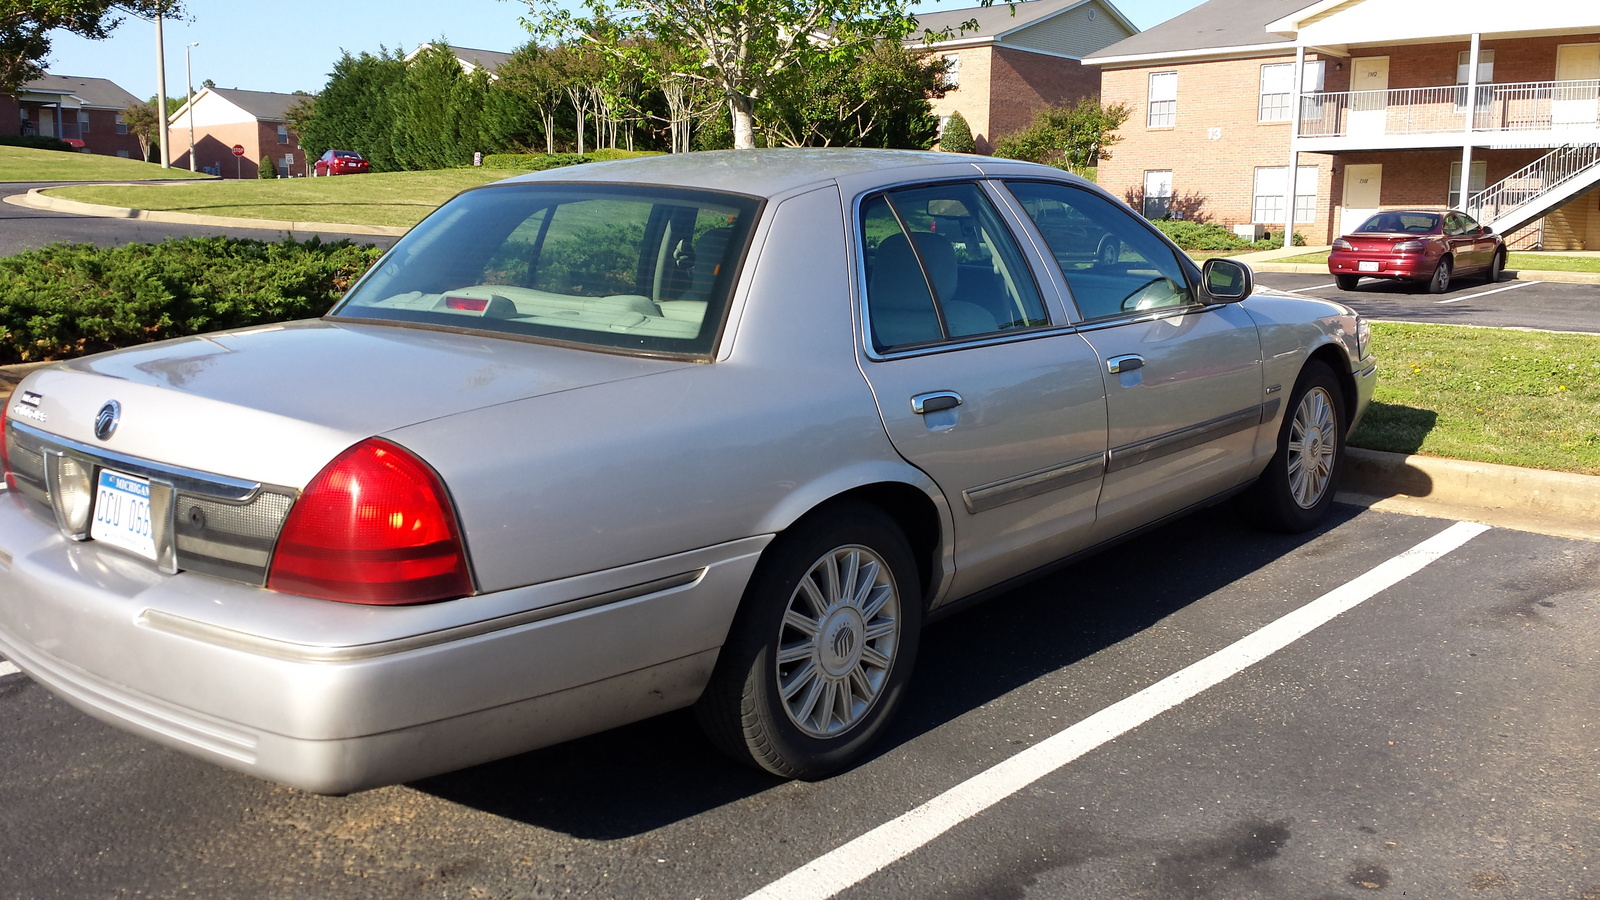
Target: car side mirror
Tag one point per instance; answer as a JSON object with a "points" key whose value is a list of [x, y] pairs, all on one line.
{"points": [[1487, 231], [1227, 280]]}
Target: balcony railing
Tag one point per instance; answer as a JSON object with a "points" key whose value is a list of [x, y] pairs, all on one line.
{"points": [[1528, 106]]}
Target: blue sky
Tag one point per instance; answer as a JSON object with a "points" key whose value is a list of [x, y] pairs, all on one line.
{"points": [[290, 45]]}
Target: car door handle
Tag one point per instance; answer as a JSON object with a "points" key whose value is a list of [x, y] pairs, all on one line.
{"points": [[935, 401], [1116, 365]]}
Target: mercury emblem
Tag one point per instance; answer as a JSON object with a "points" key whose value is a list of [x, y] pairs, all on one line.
{"points": [[105, 421]]}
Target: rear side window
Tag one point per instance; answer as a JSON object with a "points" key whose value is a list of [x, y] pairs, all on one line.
{"points": [[621, 267], [940, 266], [1113, 263]]}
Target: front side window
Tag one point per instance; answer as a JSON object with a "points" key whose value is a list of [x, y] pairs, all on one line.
{"points": [[940, 265], [1114, 264], [631, 268], [1163, 104]]}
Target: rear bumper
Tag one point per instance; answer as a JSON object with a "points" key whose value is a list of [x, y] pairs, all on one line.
{"points": [[1413, 266], [225, 672]]}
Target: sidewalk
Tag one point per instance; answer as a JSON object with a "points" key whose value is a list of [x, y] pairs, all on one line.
{"points": [[1263, 261], [1554, 503]]}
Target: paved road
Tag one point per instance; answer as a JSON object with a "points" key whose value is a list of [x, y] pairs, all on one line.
{"points": [[1439, 740], [29, 229], [1510, 304]]}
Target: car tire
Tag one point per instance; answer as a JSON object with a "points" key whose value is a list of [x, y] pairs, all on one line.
{"points": [[1440, 282], [1347, 282], [1109, 253], [1496, 266], [834, 604], [1297, 488]]}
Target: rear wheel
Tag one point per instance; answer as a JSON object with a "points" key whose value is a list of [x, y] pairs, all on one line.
{"points": [[1297, 488], [1440, 282], [1347, 282], [819, 655], [1109, 252]]}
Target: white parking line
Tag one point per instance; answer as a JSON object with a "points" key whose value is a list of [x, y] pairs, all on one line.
{"points": [[1314, 287], [1509, 287], [877, 849], [8, 669]]}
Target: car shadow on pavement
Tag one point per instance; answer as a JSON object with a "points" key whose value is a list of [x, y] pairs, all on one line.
{"points": [[634, 779]]}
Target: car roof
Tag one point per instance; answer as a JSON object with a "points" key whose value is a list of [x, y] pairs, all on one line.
{"points": [[769, 173]]}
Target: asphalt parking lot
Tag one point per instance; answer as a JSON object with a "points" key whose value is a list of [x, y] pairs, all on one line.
{"points": [[1373, 713], [1520, 303]]}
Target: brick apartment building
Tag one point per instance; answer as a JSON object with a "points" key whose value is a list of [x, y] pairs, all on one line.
{"points": [[221, 118], [1021, 58], [1487, 108], [84, 112]]}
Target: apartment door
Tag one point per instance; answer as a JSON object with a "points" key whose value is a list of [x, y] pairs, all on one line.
{"points": [[1579, 103], [1362, 186], [1369, 102]]}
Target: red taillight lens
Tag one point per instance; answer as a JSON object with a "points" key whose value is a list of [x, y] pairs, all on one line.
{"points": [[5, 455], [471, 304], [374, 526]]}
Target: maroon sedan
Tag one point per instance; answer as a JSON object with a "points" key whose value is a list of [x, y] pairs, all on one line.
{"points": [[1420, 246], [340, 162]]}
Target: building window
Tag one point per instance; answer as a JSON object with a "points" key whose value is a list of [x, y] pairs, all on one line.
{"points": [[283, 134], [1272, 182], [83, 122], [122, 124], [1485, 77], [1277, 92], [1157, 193], [952, 69], [1479, 179], [1163, 100], [123, 154]]}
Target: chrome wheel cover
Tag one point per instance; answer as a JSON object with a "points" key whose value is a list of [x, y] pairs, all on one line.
{"points": [[1313, 442], [837, 642]]}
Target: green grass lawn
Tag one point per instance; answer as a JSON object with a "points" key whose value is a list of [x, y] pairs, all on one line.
{"points": [[28, 164], [1534, 262], [383, 198], [1518, 398]]}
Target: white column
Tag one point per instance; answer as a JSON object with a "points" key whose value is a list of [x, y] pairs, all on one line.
{"points": [[1472, 116], [161, 94], [1294, 144]]}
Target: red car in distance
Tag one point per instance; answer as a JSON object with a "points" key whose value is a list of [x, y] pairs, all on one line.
{"points": [[340, 162], [1425, 247]]}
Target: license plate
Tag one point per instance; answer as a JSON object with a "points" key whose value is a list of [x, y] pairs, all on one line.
{"points": [[1367, 266], [122, 513]]}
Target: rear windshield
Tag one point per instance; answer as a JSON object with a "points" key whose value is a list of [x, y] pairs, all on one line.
{"points": [[1400, 223], [620, 267]]}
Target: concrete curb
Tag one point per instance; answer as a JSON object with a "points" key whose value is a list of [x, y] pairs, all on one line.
{"points": [[1554, 503], [33, 199]]}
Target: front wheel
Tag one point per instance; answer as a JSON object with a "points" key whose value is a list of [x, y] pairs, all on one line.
{"points": [[819, 654], [1297, 488], [1496, 266], [1347, 282]]}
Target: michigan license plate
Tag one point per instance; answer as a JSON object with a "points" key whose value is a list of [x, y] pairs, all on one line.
{"points": [[1367, 266], [122, 513]]}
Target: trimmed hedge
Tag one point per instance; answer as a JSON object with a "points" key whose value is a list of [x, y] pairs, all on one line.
{"points": [[36, 142], [67, 300], [1197, 236], [538, 162]]}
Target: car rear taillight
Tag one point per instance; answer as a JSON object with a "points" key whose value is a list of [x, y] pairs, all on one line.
{"points": [[1410, 247], [5, 454], [374, 526], [1342, 244]]}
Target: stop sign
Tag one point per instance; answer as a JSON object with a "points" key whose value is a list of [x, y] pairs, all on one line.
{"points": [[238, 149]]}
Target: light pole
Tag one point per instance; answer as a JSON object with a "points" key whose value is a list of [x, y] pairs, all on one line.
{"points": [[161, 93], [188, 80]]}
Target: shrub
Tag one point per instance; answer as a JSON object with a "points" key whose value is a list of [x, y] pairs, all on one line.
{"points": [[605, 154], [36, 141], [267, 169], [532, 162], [957, 136], [70, 299], [1201, 236]]}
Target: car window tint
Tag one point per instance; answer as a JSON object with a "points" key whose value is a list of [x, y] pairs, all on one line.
{"points": [[941, 265], [1113, 263], [617, 266]]}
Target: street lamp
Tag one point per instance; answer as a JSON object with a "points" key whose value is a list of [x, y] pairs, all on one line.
{"points": [[161, 94], [188, 80]]}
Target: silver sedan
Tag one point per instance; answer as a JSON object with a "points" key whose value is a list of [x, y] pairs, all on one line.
{"points": [[719, 430]]}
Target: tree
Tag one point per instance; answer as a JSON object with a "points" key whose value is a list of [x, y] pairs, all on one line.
{"points": [[144, 123], [877, 98], [25, 27], [741, 48], [1073, 138], [355, 110], [957, 136], [267, 169]]}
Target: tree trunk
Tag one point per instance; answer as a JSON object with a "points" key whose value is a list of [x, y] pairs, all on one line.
{"points": [[743, 109]]}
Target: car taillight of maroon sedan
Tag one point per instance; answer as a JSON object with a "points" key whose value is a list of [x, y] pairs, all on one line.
{"points": [[1424, 247]]}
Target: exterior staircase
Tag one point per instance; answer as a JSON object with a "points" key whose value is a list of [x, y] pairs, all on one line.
{"points": [[1538, 188]]}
